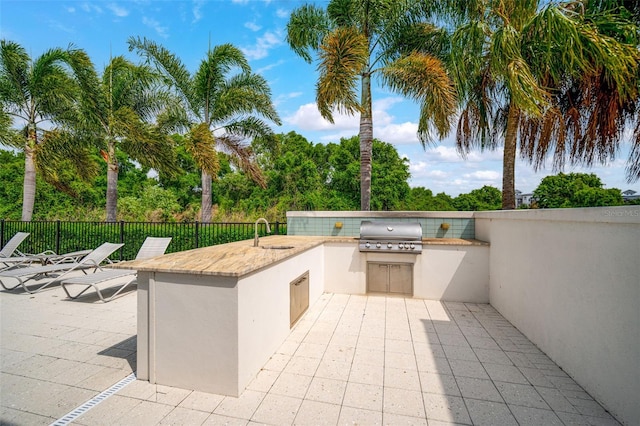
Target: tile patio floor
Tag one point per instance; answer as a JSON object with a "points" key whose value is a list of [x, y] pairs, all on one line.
{"points": [[350, 360]]}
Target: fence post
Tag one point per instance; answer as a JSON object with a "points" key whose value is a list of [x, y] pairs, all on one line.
{"points": [[2, 233], [277, 228], [121, 238], [58, 236], [197, 242]]}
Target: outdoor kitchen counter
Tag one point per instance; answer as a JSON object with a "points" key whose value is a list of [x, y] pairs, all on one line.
{"points": [[231, 260], [241, 258]]}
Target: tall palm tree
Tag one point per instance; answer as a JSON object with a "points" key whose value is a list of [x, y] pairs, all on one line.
{"points": [[357, 39], [513, 60], [41, 96], [219, 108], [592, 111], [129, 97]]}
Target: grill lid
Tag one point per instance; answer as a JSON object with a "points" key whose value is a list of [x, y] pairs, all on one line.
{"points": [[390, 231], [391, 236]]}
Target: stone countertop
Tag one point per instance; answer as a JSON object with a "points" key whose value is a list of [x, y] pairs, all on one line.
{"points": [[232, 259], [241, 258]]}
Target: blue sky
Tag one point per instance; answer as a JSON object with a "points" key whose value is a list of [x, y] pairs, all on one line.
{"points": [[188, 27]]}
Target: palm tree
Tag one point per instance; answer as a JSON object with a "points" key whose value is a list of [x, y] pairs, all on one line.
{"points": [[355, 40], [592, 110], [218, 108], [41, 95], [512, 60], [128, 100]]}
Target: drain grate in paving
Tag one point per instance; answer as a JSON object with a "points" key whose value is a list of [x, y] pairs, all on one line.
{"points": [[72, 415]]}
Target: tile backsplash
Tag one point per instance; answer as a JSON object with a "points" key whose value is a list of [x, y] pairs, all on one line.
{"points": [[431, 227]]}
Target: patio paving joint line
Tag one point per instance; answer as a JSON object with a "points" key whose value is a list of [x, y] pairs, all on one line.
{"points": [[77, 412]]}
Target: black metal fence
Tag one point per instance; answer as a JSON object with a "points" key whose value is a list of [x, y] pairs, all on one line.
{"points": [[65, 237]]}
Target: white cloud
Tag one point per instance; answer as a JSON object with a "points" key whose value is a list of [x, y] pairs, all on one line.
{"points": [[239, 1], [483, 175], [152, 23], [71, 9], [252, 26], [268, 67], [449, 154], [90, 7], [404, 133], [307, 117], [56, 25], [263, 44], [285, 97], [117, 10], [197, 10], [282, 13]]}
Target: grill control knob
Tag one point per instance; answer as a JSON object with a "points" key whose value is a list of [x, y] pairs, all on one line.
{"points": [[378, 245], [412, 246], [400, 246], [389, 245], [367, 245]]}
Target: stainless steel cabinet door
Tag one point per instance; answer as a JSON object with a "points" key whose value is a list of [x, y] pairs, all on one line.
{"points": [[298, 297], [401, 278], [395, 278]]}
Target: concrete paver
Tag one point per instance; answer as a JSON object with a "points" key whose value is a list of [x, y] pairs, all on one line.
{"points": [[350, 359]]}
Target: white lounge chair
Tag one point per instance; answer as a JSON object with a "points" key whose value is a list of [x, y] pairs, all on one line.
{"points": [[151, 247], [57, 272], [44, 258], [11, 247]]}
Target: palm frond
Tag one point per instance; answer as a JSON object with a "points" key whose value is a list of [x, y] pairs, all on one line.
{"points": [[59, 147], [468, 57], [14, 69], [633, 163], [507, 60], [241, 155], [200, 143], [424, 79], [343, 56], [248, 128], [241, 95], [307, 27], [172, 69]]}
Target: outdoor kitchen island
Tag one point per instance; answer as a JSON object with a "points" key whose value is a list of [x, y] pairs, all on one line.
{"points": [[210, 318]]}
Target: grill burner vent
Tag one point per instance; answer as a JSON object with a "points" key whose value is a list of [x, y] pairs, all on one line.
{"points": [[397, 237]]}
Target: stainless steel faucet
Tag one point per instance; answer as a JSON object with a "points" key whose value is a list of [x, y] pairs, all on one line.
{"points": [[255, 238]]}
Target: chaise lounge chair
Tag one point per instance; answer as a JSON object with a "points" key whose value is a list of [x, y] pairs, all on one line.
{"points": [[11, 247], [151, 247], [57, 272], [44, 258]]}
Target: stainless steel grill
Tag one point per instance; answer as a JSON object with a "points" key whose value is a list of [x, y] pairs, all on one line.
{"points": [[405, 237]]}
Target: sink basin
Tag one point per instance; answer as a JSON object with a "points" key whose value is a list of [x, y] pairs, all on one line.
{"points": [[277, 247]]}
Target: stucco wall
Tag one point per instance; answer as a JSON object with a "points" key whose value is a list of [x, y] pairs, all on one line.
{"points": [[569, 279], [263, 309], [452, 273]]}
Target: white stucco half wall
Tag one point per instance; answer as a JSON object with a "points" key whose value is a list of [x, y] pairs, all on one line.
{"points": [[569, 279]]}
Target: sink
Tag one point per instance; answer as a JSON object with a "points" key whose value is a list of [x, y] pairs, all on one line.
{"points": [[277, 247]]}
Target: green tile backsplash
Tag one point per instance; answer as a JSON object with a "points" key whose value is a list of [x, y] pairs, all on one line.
{"points": [[458, 228]]}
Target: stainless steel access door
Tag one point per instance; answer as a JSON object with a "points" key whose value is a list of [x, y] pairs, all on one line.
{"points": [[393, 278], [299, 297]]}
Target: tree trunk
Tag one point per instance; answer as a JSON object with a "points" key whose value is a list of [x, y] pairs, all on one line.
{"points": [[509, 159], [366, 144], [205, 209], [29, 185], [112, 183]]}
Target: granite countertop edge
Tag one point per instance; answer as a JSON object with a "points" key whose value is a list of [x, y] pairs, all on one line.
{"points": [[240, 258]]}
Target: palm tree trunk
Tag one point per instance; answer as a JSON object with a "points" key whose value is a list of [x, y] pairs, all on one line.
{"points": [[112, 183], [29, 185], [509, 159], [205, 209], [366, 144]]}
